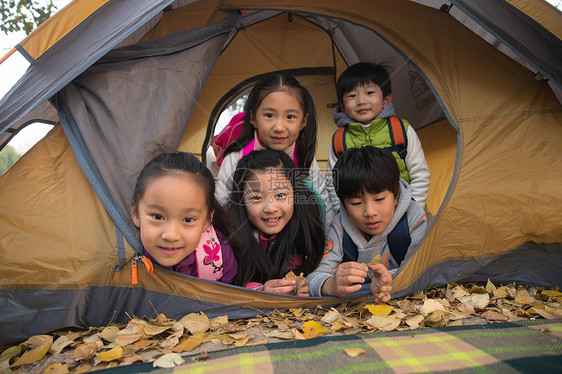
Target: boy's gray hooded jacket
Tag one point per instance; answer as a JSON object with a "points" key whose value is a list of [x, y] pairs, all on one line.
{"points": [[417, 224]]}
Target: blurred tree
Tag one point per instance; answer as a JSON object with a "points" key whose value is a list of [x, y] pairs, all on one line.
{"points": [[26, 15], [8, 157]]}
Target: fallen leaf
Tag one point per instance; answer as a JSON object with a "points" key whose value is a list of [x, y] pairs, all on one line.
{"points": [[523, 297], [491, 315], [59, 345], [217, 322], [196, 323], [155, 329], [11, 352], [312, 329], [480, 300], [552, 293], [33, 355], [353, 352], [189, 344], [56, 368], [430, 305], [332, 316], [84, 351], [113, 354], [37, 341], [384, 323], [414, 321], [126, 339], [379, 309], [490, 287], [169, 360], [109, 333], [286, 335], [436, 318], [500, 293]]}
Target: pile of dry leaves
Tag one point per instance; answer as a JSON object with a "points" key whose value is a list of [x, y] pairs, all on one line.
{"points": [[163, 340]]}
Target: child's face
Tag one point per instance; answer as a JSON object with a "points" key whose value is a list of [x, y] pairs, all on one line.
{"points": [[370, 212], [171, 215], [364, 103], [278, 120], [268, 196]]}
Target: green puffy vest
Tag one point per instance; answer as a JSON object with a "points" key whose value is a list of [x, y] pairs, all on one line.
{"points": [[377, 135]]}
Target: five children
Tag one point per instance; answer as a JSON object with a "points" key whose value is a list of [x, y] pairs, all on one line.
{"points": [[272, 187]]}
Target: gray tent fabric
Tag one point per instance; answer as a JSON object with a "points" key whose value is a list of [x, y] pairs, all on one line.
{"points": [[56, 67], [521, 34], [107, 126]]}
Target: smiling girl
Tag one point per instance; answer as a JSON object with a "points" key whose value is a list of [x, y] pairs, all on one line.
{"points": [[174, 208], [280, 225], [279, 115]]}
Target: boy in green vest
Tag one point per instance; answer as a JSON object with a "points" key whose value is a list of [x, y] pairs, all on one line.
{"points": [[378, 220], [365, 116]]}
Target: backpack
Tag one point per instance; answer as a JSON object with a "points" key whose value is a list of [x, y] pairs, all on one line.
{"points": [[227, 136], [397, 132], [398, 241]]}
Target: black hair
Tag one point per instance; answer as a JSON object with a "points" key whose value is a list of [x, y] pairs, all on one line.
{"points": [[303, 234], [360, 74], [178, 163], [366, 169], [306, 142]]}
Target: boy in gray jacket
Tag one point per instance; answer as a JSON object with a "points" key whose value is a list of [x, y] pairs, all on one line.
{"points": [[377, 216]]}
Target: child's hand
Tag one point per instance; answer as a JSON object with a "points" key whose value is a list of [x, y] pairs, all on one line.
{"points": [[381, 284], [348, 278], [284, 286]]}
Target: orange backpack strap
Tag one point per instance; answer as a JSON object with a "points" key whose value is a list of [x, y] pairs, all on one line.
{"points": [[338, 141], [398, 136]]}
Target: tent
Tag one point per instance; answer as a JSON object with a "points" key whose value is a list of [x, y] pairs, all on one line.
{"points": [[479, 80]]}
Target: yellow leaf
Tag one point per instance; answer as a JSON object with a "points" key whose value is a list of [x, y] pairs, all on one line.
{"points": [[169, 360], [189, 344], [500, 293], [33, 355], [217, 322], [552, 293], [312, 329], [13, 351], [382, 310], [353, 352], [113, 354], [56, 368]]}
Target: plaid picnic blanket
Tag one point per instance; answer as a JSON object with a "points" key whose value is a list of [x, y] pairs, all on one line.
{"points": [[518, 347]]}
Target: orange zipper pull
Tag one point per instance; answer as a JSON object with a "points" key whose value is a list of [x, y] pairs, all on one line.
{"points": [[134, 271], [148, 264]]}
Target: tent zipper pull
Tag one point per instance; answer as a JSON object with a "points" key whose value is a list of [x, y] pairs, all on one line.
{"points": [[134, 273], [148, 264]]}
